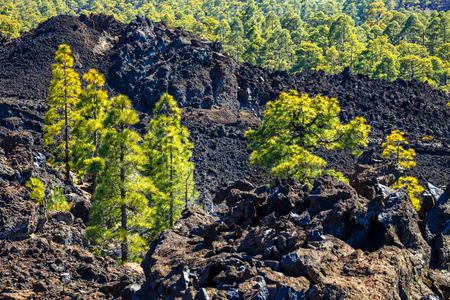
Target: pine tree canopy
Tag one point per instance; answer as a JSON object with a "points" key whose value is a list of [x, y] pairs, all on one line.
{"points": [[63, 98], [294, 126], [88, 128], [120, 212], [168, 150]]}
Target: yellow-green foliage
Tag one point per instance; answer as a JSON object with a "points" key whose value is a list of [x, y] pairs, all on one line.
{"points": [[120, 211], [88, 127], [63, 97], [57, 201], [393, 149], [427, 138], [303, 35], [37, 189], [294, 126], [168, 150], [414, 189]]}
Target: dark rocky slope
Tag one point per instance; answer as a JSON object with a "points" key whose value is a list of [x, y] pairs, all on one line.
{"points": [[221, 99]]}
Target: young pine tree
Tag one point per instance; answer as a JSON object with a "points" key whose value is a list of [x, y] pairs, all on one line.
{"points": [[88, 127], [63, 97], [393, 149], [168, 150], [414, 189], [294, 127], [37, 188], [403, 159], [120, 212]]}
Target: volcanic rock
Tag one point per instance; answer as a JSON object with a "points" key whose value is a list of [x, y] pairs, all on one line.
{"points": [[439, 216], [368, 249], [46, 267]]}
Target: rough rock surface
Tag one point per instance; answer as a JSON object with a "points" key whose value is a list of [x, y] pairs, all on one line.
{"points": [[55, 263], [44, 255], [324, 243]]}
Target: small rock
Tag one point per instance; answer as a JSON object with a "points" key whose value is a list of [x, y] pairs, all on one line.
{"points": [[291, 264], [129, 291], [201, 295], [80, 208], [61, 216], [302, 220], [39, 160], [288, 293]]}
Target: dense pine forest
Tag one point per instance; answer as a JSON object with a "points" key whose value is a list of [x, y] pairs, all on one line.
{"points": [[390, 39]]}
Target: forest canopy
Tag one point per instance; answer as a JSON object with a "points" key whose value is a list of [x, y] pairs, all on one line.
{"points": [[388, 39]]}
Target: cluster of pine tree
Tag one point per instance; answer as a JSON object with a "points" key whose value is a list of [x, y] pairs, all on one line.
{"points": [[385, 39], [139, 186]]}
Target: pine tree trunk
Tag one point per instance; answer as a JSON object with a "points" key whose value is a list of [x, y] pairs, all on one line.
{"points": [[94, 155], [124, 244], [95, 132], [123, 207], [66, 131], [445, 34], [186, 194], [171, 187], [186, 189]]}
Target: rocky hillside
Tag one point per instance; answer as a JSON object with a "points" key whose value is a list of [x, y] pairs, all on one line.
{"points": [[283, 240], [43, 255], [289, 242], [145, 59]]}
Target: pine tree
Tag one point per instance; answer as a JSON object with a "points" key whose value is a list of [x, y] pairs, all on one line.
{"points": [[294, 127], [120, 212], [309, 58], [88, 127], [63, 97], [403, 159], [169, 150], [393, 149], [414, 189]]}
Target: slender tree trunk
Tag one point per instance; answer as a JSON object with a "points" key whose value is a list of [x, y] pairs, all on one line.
{"points": [[95, 118], [66, 137], [124, 244], [186, 190], [123, 207], [445, 34], [171, 187], [94, 176]]}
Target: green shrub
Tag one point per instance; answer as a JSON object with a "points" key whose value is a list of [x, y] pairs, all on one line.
{"points": [[37, 189], [57, 200], [413, 187]]}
